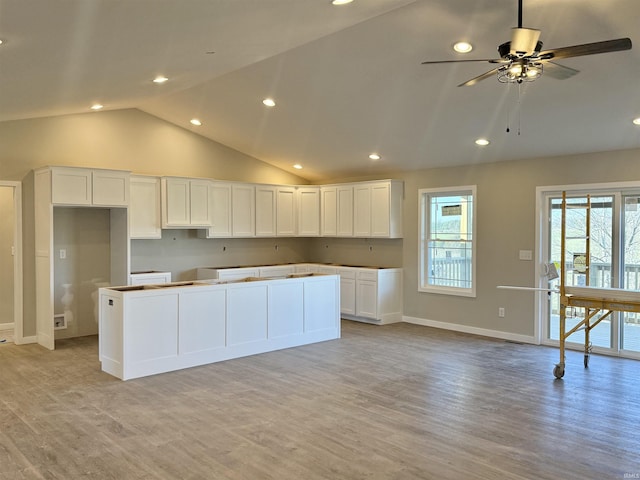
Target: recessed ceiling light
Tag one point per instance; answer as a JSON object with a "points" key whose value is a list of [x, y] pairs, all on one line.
{"points": [[341, 2], [97, 106], [269, 102], [1, 41], [462, 47], [374, 156], [483, 142], [636, 121], [297, 166], [160, 79], [196, 122]]}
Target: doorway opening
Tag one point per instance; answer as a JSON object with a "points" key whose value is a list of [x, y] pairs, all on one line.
{"points": [[11, 262]]}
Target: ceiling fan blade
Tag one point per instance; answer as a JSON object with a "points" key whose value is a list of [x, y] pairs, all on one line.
{"points": [[490, 60], [586, 49], [473, 81], [559, 72]]}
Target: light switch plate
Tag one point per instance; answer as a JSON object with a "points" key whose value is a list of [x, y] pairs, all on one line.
{"points": [[526, 255]]}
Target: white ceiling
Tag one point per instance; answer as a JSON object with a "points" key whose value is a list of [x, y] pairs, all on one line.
{"points": [[347, 80]]}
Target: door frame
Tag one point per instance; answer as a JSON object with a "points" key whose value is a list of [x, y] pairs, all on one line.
{"points": [[18, 333], [541, 306]]}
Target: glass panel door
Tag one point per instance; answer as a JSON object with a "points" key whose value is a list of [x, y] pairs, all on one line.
{"points": [[630, 321], [601, 265]]}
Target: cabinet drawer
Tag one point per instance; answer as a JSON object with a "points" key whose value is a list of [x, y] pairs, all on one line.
{"points": [[349, 273], [368, 274]]}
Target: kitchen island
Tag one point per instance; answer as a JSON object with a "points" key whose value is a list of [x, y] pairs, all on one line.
{"points": [[150, 329]]}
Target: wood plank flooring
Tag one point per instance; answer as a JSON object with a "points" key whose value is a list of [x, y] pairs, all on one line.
{"points": [[384, 402]]}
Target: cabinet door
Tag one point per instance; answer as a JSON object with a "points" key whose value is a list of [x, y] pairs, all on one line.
{"points": [[199, 207], [110, 188], [286, 211], [71, 186], [243, 210], [347, 295], [308, 211], [144, 208], [265, 211], [367, 299], [247, 308], [380, 213], [202, 321], [176, 203], [328, 211], [220, 204], [362, 210], [345, 211]]}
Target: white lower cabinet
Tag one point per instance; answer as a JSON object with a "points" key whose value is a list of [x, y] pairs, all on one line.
{"points": [[347, 290], [234, 273], [150, 329], [371, 294], [366, 293], [149, 278]]}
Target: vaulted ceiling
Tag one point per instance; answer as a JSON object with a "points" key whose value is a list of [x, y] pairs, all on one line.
{"points": [[347, 80]]}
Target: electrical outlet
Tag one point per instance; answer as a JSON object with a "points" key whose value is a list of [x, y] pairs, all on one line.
{"points": [[59, 322], [501, 312], [63, 253]]}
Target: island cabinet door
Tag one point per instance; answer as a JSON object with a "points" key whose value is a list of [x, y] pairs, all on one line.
{"points": [[151, 332], [321, 304], [286, 309], [246, 313], [202, 321]]}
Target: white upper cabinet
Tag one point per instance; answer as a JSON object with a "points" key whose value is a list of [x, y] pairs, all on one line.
{"points": [[345, 210], [328, 211], [220, 204], [185, 203], [266, 210], [377, 209], [286, 211], [144, 207], [89, 187], [243, 210], [309, 211]]}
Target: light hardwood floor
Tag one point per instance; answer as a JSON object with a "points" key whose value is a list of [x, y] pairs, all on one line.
{"points": [[393, 402]]}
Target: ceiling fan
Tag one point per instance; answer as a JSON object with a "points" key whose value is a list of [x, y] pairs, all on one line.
{"points": [[522, 59]]}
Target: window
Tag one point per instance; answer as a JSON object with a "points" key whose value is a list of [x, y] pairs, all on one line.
{"points": [[447, 246]]}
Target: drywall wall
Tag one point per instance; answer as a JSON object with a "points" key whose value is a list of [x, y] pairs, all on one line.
{"points": [[6, 256], [506, 223], [126, 140], [83, 234], [181, 252]]}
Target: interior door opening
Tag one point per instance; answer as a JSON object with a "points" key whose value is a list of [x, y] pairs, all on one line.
{"points": [[10, 263]]}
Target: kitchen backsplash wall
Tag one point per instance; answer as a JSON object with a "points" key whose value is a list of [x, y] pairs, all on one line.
{"points": [[182, 251], [367, 252]]}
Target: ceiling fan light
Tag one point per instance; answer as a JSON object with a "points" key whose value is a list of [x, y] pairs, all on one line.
{"points": [[483, 142]]}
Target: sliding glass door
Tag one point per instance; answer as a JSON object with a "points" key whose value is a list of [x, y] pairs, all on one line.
{"points": [[614, 245]]}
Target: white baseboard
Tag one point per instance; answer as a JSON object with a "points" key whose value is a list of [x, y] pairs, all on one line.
{"points": [[512, 337], [25, 340], [6, 326]]}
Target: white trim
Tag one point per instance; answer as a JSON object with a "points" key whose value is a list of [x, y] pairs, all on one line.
{"points": [[455, 190], [7, 326], [17, 261], [513, 337], [25, 340]]}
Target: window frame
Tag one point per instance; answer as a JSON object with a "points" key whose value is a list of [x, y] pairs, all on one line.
{"points": [[424, 212]]}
